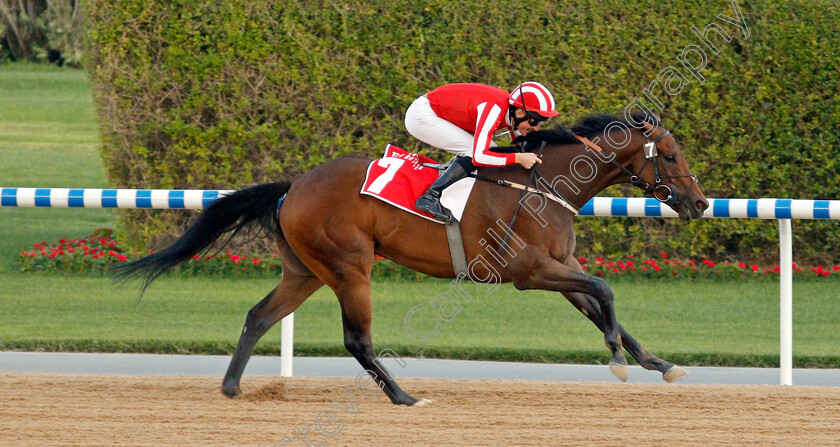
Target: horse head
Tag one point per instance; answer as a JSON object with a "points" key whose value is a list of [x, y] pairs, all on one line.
{"points": [[641, 152], [646, 155], [660, 169]]}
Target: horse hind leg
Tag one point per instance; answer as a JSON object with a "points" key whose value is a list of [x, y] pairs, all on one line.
{"points": [[588, 306], [294, 288]]}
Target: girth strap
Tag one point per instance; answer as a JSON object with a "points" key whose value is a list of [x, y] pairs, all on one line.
{"points": [[456, 248], [453, 237]]}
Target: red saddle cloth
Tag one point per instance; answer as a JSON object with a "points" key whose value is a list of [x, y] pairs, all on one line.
{"points": [[399, 179]]}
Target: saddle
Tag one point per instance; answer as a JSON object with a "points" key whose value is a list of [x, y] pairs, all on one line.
{"points": [[400, 177]]}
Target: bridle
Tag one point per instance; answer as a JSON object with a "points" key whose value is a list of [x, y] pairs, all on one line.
{"points": [[657, 190]]}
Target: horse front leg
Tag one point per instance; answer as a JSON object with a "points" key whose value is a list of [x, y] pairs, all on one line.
{"points": [[549, 274], [588, 306]]}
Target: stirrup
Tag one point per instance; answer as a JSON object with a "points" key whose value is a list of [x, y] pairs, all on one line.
{"points": [[427, 203]]}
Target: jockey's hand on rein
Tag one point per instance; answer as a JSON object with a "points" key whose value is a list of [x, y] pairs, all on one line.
{"points": [[527, 159]]}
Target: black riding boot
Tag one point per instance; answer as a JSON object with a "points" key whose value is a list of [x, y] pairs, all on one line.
{"points": [[430, 200]]}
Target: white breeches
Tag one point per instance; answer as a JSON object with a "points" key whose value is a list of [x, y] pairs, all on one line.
{"points": [[422, 122]]}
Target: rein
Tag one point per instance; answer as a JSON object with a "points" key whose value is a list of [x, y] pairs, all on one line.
{"points": [[509, 229], [551, 195], [658, 190]]}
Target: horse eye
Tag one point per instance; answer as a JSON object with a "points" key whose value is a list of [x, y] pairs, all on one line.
{"points": [[670, 158]]}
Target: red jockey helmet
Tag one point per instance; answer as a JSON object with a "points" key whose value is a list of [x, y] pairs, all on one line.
{"points": [[537, 99]]}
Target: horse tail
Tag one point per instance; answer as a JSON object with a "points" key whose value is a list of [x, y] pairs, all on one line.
{"points": [[228, 215]]}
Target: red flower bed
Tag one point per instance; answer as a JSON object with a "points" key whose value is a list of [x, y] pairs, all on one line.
{"points": [[668, 266], [96, 252]]}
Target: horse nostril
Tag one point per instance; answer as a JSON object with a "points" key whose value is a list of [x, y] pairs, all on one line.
{"points": [[701, 205]]}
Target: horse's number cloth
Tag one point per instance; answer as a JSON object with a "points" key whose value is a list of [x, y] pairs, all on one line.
{"points": [[399, 179]]}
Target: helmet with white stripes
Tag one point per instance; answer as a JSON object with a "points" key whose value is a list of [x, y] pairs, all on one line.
{"points": [[536, 98]]}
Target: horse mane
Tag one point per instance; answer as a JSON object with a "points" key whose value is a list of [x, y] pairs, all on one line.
{"points": [[585, 127]]}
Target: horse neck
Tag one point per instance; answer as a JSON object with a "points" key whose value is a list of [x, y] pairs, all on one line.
{"points": [[568, 168]]}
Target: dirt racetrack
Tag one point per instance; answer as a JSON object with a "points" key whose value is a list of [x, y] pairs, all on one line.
{"points": [[60, 410]]}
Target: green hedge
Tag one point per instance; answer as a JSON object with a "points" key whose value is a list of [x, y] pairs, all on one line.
{"points": [[208, 94]]}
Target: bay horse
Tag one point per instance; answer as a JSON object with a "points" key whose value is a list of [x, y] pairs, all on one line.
{"points": [[328, 233]]}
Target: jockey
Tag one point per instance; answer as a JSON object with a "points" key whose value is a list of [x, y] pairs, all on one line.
{"points": [[461, 119]]}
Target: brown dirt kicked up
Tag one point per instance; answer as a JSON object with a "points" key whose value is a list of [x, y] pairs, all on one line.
{"points": [[62, 410]]}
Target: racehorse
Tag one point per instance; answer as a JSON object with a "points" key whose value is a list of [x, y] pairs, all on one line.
{"points": [[328, 233]]}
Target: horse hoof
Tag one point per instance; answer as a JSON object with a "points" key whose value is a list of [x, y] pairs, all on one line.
{"points": [[421, 403], [674, 374], [619, 370], [231, 391]]}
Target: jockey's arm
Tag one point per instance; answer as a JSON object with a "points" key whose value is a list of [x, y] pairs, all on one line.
{"points": [[489, 118]]}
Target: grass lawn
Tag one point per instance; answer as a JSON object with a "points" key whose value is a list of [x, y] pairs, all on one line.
{"points": [[710, 323], [48, 138]]}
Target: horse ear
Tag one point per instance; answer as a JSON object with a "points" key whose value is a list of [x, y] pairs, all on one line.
{"points": [[650, 128]]}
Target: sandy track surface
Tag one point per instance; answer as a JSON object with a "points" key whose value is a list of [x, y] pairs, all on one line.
{"points": [[53, 409]]}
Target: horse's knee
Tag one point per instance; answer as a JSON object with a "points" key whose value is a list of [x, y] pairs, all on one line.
{"points": [[263, 316], [602, 291], [358, 346], [352, 345], [256, 326]]}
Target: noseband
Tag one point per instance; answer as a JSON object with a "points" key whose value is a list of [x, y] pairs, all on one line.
{"points": [[657, 190]]}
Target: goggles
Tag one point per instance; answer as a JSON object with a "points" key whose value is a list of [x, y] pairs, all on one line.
{"points": [[535, 120]]}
